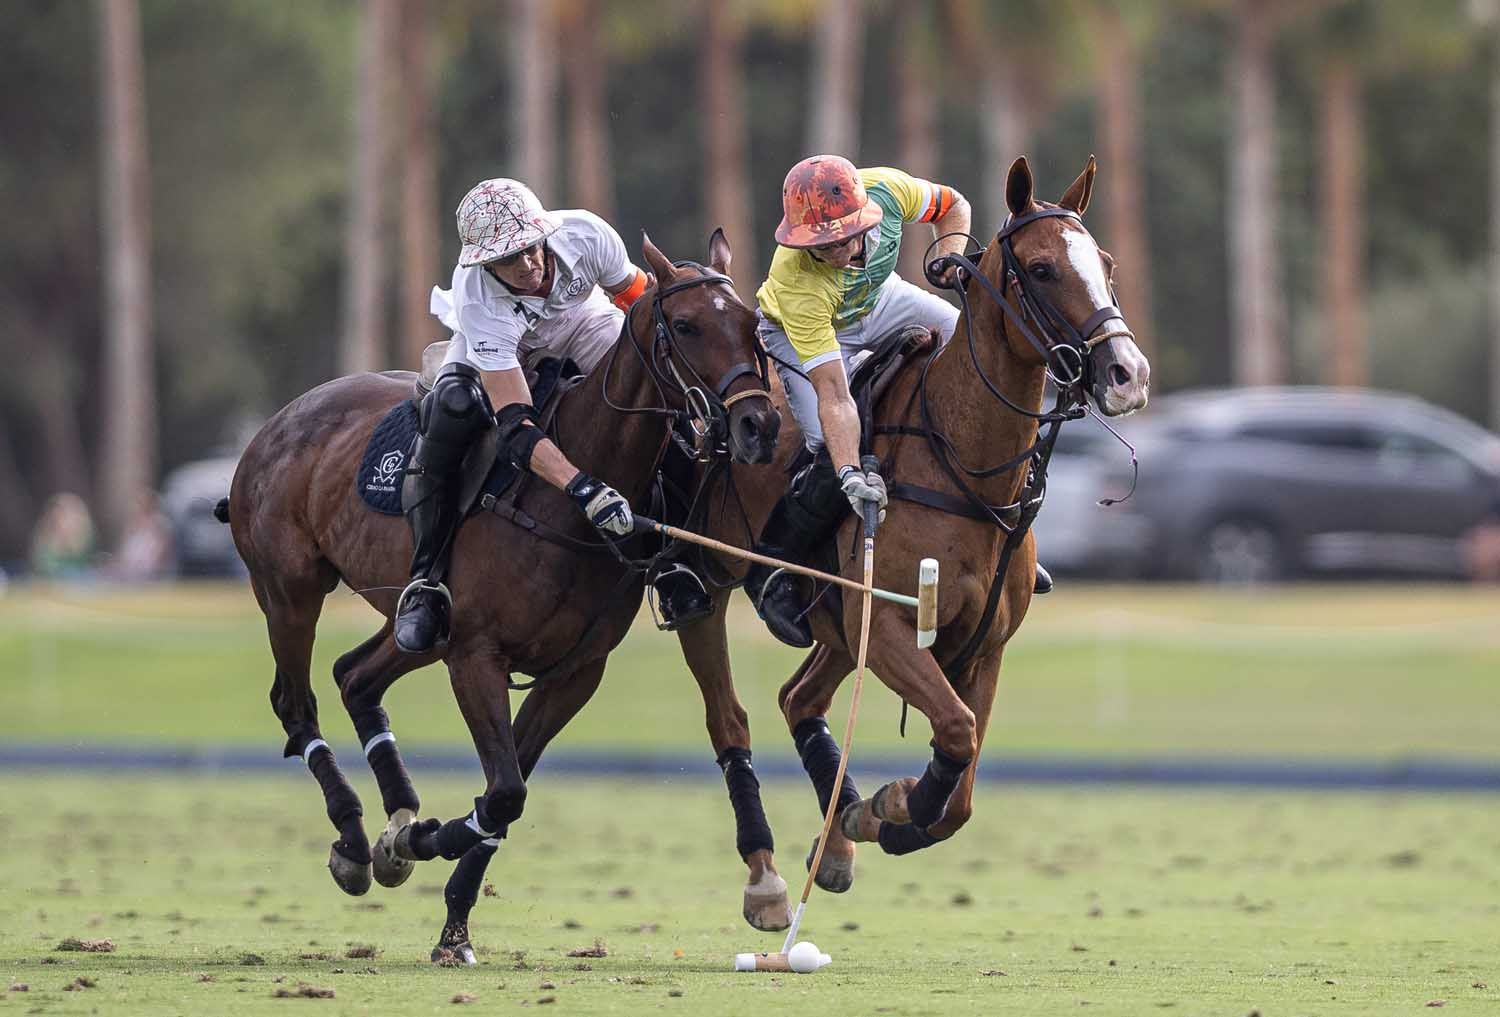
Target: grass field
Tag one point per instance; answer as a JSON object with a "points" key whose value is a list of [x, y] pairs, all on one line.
{"points": [[1132, 903], [1117, 901], [1345, 671]]}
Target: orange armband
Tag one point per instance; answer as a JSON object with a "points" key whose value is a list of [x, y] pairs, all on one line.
{"points": [[943, 199], [630, 294]]}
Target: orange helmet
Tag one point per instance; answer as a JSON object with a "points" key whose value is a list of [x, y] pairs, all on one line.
{"points": [[825, 203]]}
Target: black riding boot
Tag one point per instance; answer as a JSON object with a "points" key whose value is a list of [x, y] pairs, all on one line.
{"points": [[1043, 582], [806, 515], [452, 415]]}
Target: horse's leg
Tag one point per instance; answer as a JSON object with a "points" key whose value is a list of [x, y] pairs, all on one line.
{"points": [[480, 677], [292, 607], [804, 702], [363, 676], [706, 650], [903, 814], [543, 714], [978, 691]]}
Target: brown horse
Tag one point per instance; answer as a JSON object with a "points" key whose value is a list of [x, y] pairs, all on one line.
{"points": [[976, 401], [942, 426], [300, 527]]}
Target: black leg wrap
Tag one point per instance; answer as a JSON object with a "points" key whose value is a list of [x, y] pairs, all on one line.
{"points": [[396, 790], [457, 836], [928, 800], [462, 891], [343, 803], [904, 838], [820, 758], [752, 832]]}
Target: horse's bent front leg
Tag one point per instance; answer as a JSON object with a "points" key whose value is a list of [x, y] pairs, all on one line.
{"points": [[805, 699], [706, 649], [481, 684], [363, 676], [905, 816]]}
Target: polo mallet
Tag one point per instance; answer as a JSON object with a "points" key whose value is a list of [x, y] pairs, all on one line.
{"points": [[927, 575], [785, 959]]}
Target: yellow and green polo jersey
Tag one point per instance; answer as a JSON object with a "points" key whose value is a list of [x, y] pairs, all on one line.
{"points": [[810, 301]]}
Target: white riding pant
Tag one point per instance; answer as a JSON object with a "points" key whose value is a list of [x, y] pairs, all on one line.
{"points": [[899, 304]]}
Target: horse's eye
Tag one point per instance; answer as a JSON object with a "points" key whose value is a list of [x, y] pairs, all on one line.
{"points": [[1042, 272], [683, 327]]}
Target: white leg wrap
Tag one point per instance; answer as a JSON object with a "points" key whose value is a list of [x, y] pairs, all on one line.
{"points": [[313, 746], [491, 842], [473, 823], [384, 736]]}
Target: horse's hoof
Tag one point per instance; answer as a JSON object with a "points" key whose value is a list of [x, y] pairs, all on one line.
{"points": [[858, 822], [352, 877], [403, 846], [391, 869], [766, 907], [457, 955], [835, 873], [889, 802]]}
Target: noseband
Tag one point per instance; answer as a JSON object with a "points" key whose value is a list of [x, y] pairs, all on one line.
{"points": [[1067, 349]]}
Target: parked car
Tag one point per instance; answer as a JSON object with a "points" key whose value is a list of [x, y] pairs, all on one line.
{"points": [[202, 545], [1075, 535], [1252, 485]]}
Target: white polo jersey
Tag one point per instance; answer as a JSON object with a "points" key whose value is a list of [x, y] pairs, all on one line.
{"points": [[496, 330]]}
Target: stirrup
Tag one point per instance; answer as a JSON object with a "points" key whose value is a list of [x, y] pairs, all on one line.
{"points": [[662, 623], [420, 584]]}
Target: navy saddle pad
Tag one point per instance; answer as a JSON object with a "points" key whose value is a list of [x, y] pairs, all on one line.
{"points": [[383, 466]]}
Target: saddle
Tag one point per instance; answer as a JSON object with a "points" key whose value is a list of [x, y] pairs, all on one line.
{"points": [[486, 473]]}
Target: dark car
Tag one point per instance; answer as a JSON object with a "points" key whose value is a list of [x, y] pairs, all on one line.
{"points": [[1251, 485], [202, 545]]}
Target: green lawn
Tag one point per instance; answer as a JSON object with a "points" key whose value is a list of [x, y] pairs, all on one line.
{"points": [[1134, 902], [1348, 671]]}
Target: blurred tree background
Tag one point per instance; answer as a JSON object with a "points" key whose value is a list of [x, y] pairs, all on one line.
{"points": [[1298, 191]]}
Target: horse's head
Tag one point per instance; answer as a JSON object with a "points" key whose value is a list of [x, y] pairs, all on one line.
{"points": [[700, 341], [1058, 279]]}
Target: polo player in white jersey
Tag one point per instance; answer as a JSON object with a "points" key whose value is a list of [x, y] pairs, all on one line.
{"points": [[529, 283]]}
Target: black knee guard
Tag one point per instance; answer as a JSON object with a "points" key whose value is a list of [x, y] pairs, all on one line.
{"points": [[520, 433], [451, 415]]}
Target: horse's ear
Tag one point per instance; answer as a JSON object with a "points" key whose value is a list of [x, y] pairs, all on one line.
{"points": [[1076, 197], [658, 263], [719, 254], [1018, 187]]}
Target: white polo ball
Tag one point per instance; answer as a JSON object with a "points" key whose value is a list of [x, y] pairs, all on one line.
{"points": [[805, 958]]}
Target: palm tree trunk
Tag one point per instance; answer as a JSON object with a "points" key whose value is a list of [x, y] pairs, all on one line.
{"points": [[1124, 190], [590, 166], [838, 69], [365, 256], [128, 441], [1347, 362], [722, 113], [916, 119], [420, 243], [533, 62], [1004, 134], [1495, 224], [1256, 314]]}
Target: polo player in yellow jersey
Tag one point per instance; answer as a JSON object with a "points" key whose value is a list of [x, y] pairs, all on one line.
{"points": [[832, 292]]}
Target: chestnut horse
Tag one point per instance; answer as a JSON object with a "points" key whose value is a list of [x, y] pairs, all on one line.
{"points": [[300, 526], [976, 401]]}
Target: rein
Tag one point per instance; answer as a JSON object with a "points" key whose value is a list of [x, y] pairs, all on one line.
{"points": [[1066, 355], [707, 415]]}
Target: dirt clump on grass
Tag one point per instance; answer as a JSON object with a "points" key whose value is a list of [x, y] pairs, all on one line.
{"points": [[79, 984], [304, 991], [597, 950], [362, 951], [75, 945]]}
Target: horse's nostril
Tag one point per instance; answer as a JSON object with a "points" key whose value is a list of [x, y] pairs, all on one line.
{"points": [[1118, 375]]}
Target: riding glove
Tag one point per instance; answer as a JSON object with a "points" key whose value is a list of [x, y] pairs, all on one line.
{"points": [[861, 487], [606, 508]]}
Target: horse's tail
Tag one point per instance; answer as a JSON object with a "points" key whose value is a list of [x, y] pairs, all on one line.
{"points": [[221, 510]]}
